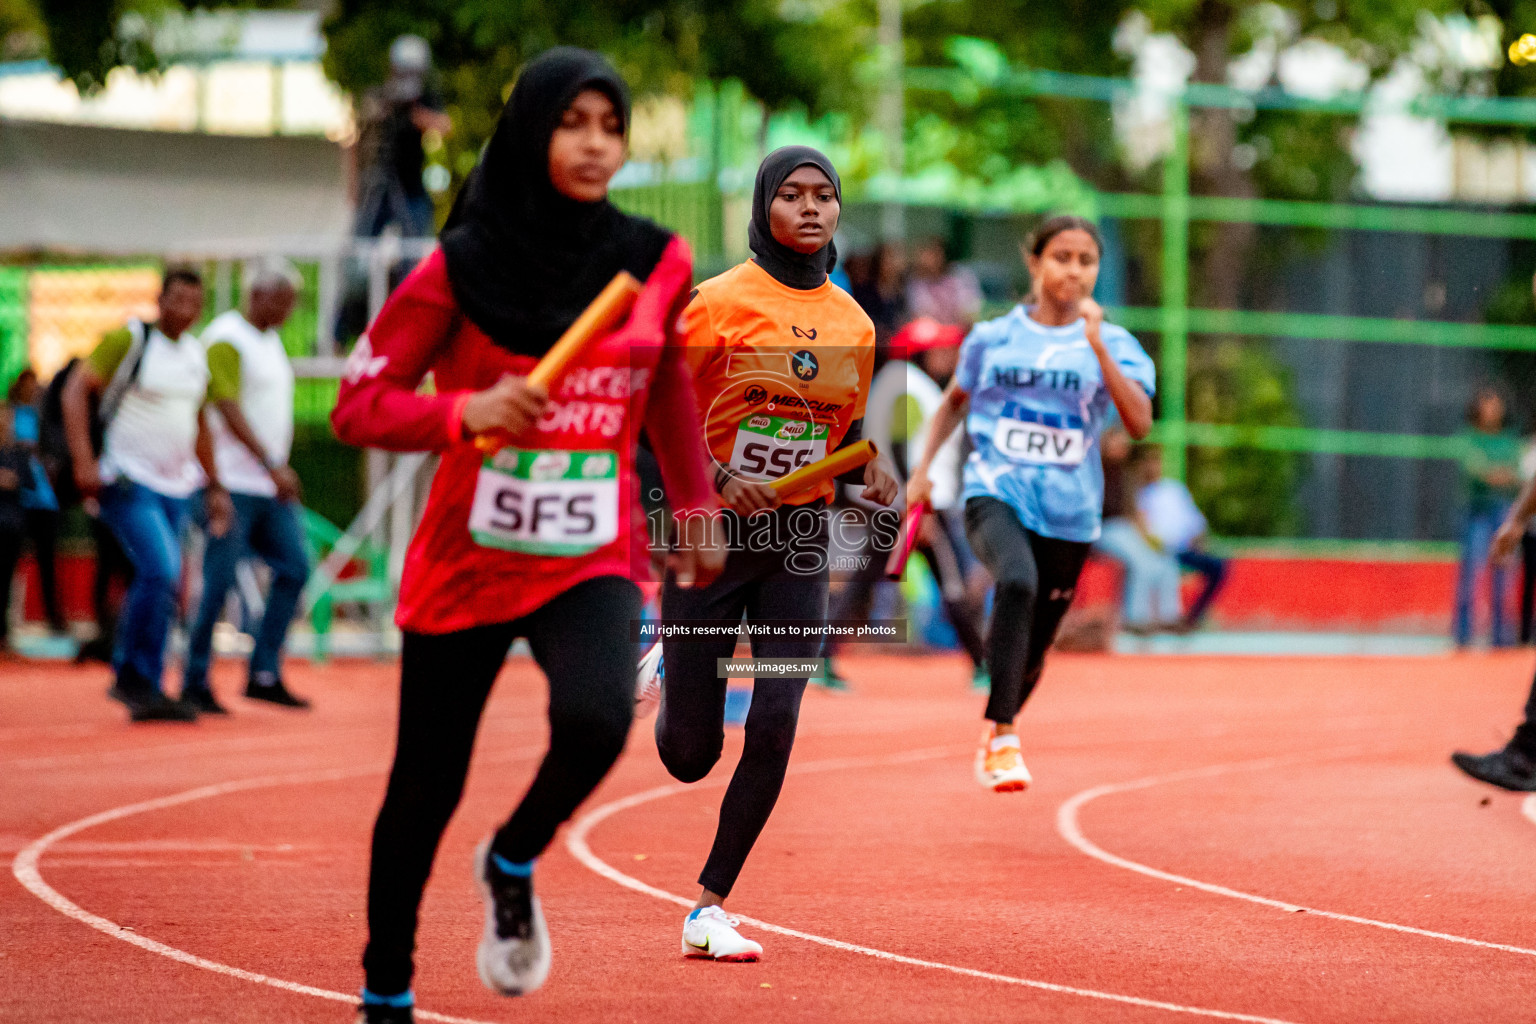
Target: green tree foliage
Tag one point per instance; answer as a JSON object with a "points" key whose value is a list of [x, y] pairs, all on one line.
{"points": [[808, 53]]}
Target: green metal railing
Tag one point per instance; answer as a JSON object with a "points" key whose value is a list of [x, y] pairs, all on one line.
{"points": [[982, 68]]}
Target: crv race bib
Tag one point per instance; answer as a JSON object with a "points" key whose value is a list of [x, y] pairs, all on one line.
{"points": [[546, 502], [768, 447], [1031, 438]]}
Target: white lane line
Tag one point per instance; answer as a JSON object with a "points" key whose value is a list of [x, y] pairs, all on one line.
{"points": [[1528, 807], [576, 843], [24, 867], [235, 744], [1067, 824]]}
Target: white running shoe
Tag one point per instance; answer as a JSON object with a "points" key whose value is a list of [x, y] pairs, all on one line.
{"points": [[648, 682], [1000, 764], [514, 952], [710, 934]]}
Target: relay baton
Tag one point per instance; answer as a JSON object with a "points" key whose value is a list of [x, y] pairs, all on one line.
{"points": [[836, 464], [596, 322], [910, 527]]}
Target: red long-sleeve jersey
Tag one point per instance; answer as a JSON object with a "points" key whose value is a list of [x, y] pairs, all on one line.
{"points": [[502, 535]]}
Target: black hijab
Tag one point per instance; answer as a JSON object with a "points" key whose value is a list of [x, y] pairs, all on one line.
{"points": [[796, 269], [523, 259]]}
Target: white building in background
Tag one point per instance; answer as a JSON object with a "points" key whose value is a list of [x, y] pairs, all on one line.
{"points": [[229, 73], [1402, 158]]}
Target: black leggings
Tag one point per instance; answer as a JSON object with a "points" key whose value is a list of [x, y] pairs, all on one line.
{"points": [[690, 727], [944, 561], [581, 639], [1036, 577]]}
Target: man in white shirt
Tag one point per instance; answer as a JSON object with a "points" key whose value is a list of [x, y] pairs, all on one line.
{"points": [[150, 381], [1174, 520], [251, 390]]}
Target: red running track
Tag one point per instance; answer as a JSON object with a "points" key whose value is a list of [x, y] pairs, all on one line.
{"points": [[1217, 839]]}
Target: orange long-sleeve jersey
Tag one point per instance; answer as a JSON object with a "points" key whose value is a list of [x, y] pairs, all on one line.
{"points": [[781, 373]]}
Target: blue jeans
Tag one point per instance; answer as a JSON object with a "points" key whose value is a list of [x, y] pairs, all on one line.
{"points": [[269, 529], [148, 526], [1215, 572], [1476, 537], [1150, 594]]}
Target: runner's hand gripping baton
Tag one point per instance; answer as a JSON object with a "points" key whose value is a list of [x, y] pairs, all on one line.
{"points": [[836, 464], [910, 527], [596, 322]]}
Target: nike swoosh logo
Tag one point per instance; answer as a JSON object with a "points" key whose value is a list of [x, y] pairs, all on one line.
{"points": [[704, 947]]}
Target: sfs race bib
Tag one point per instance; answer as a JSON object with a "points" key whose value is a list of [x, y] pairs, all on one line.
{"points": [[768, 447], [550, 502]]}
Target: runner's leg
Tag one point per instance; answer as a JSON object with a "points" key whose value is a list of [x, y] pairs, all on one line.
{"points": [[582, 641], [444, 682], [770, 727]]}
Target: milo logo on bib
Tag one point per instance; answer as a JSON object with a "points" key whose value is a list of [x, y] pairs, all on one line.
{"points": [[768, 447], [546, 502], [1046, 439]]}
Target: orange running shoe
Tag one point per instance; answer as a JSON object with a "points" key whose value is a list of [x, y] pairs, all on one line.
{"points": [[1000, 763]]}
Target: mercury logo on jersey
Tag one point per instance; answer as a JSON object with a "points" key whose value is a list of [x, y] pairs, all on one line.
{"points": [[800, 401], [1030, 377]]}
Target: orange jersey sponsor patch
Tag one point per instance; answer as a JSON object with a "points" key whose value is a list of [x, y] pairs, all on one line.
{"points": [[781, 373]]}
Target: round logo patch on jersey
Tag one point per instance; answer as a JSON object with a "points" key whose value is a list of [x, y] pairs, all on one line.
{"points": [[805, 365], [755, 395]]}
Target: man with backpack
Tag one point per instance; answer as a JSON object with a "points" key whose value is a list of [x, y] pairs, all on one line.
{"points": [[138, 455]]}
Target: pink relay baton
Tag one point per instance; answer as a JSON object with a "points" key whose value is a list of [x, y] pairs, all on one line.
{"points": [[897, 563]]}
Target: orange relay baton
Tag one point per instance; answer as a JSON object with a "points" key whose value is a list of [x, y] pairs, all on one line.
{"points": [[597, 321], [836, 464]]}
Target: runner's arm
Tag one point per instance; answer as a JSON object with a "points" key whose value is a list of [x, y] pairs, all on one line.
{"points": [[1508, 538], [672, 418], [378, 405], [1131, 399]]}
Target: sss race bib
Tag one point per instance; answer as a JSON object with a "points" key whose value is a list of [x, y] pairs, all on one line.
{"points": [[1044, 439], [768, 447], [547, 502]]}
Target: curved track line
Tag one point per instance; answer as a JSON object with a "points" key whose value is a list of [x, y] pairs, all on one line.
{"points": [[24, 867], [1071, 831], [576, 843]]}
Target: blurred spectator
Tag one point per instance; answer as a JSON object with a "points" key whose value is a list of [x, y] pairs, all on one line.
{"points": [[1491, 471], [1528, 544], [1150, 588], [947, 293], [113, 572], [14, 460], [1175, 522], [903, 398], [38, 501], [882, 291], [251, 387], [390, 160], [151, 381]]}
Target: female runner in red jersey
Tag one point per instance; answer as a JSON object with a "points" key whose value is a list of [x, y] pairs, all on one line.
{"points": [[535, 540]]}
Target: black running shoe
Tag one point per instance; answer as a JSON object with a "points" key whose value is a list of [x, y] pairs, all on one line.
{"points": [[373, 1013], [161, 708], [203, 701], [1506, 768], [268, 686]]}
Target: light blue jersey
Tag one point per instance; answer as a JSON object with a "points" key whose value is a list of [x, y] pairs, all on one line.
{"points": [[1038, 405]]}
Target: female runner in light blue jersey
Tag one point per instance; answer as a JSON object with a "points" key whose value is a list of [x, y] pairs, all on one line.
{"points": [[1035, 389]]}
